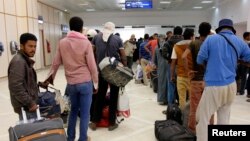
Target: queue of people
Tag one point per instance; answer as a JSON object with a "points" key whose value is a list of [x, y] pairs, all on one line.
{"points": [[185, 69]]}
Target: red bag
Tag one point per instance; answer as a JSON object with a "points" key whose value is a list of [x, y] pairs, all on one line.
{"points": [[105, 118], [103, 123]]}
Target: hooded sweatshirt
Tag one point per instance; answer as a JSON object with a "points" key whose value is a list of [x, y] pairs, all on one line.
{"points": [[75, 52]]}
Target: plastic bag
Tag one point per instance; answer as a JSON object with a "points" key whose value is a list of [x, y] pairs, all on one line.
{"points": [[123, 104]]}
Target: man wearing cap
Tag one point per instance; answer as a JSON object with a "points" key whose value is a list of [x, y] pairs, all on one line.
{"points": [[107, 44], [220, 59]]}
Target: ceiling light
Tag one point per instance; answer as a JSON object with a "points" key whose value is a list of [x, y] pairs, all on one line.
{"points": [[213, 7], [65, 10], [165, 2], [207, 1], [123, 8], [127, 27], [197, 7], [84, 4], [90, 10]]}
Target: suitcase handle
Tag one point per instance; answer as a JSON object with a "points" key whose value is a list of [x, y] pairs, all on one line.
{"points": [[38, 115]]}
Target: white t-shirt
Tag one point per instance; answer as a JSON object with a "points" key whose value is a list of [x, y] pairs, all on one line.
{"points": [[174, 55]]}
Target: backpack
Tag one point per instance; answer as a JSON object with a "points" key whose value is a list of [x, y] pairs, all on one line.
{"points": [[174, 113], [166, 50]]}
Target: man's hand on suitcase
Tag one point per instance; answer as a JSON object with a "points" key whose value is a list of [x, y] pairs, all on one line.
{"points": [[33, 107], [46, 83]]}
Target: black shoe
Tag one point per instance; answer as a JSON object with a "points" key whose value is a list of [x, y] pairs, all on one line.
{"points": [[113, 127], [248, 95]]}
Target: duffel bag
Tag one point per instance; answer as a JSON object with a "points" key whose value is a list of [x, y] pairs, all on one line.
{"points": [[170, 130]]}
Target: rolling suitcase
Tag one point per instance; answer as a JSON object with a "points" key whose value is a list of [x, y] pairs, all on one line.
{"points": [[38, 130]]}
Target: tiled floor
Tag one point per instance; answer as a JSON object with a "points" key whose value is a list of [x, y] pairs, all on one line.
{"points": [[140, 126]]}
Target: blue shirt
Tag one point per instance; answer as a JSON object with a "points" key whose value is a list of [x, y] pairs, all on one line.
{"points": [[142, 52], [220, 58]]}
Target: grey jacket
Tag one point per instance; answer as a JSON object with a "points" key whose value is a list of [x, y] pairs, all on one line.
{"points": [[22, 82]]}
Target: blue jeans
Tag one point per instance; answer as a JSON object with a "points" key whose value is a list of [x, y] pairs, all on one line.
{"points": [[80, 97], [171, 87]]}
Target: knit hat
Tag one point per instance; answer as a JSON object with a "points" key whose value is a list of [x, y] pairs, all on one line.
{"points": [[225, 23]]}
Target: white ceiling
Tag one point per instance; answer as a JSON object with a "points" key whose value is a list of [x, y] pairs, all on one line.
{"points": [[76, 6]]}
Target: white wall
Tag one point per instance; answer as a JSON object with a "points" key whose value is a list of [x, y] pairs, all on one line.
{"points": [[240, 28], [20, 16], [152, 20], [143, 18], [53, 18], [237, 10]]}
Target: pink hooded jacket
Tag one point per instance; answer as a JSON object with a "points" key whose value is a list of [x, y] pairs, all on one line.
{"points": [[75, 52]]}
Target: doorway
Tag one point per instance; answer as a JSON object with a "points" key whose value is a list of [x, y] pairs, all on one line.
{"points": [[42, 47]]}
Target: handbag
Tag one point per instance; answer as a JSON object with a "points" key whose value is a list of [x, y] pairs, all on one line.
{"points": [[123, 107], [113, 71], [115, 74]]}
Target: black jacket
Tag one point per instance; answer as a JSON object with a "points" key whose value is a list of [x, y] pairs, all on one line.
{"points": [[22, 82]]}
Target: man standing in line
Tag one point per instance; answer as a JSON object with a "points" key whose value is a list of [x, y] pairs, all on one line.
{"points": [[144, 58], [169, 34], [183, 82], [129, 48], [152, 45], [107, 45], [246, 37], [75, 52], [167, 50], [23, 79], [196, 74], [220, 58], [242, 70]]}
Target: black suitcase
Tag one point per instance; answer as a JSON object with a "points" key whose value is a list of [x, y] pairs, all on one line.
{"points": [[38, 130], [170, 130]]}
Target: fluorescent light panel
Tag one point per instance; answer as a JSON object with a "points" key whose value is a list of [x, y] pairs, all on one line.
{"points": [[90, 10], [197, 7], [165, 2], [83, 4], [207, 1]]}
